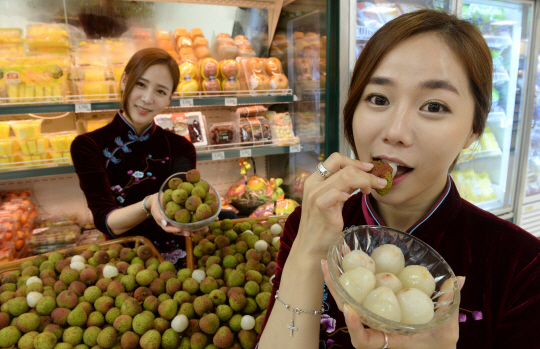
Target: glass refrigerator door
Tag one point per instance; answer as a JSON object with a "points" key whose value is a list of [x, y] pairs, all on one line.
{"points": [[370, 16], [486, 173], [532, 185]]}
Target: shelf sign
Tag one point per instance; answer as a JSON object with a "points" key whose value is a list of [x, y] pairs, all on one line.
{"points": [[245, 153], [231, 102], [12, 77], [218, 155], [83, 107], [186, 103], [295, 148]]}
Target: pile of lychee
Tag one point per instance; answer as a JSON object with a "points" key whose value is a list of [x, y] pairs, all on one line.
{"points": [[120, 297], [189, 201]]}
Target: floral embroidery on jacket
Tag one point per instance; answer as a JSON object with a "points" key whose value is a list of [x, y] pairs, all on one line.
{"points": [[124, 146], [140, 176]]}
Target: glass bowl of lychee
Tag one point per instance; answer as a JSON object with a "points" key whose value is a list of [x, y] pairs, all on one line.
{"points": [[395, 282], [189, 202]]}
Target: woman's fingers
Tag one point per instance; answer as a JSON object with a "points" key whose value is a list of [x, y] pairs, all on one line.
{"points": [[360, 337], [336, 162]]}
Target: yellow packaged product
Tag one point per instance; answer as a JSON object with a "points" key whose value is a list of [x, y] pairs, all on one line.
{"points": [[488, 140], [61, 157], [95, 90], [6, 147], [61, 141], [34, 145], [4, 129], [10, 36], [9, 162], [25, 83], [36, 160], [94, 124], [25, 129]]}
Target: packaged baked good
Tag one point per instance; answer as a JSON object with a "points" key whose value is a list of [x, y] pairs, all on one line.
{"points": [[251, 110], [183, 41], [188, 86], [211, 85], [282, 128], [164, 121], [178, 32], [229, 69], [231, 85], [195, 32], [163, 35], [209, 68], [187, 69]]}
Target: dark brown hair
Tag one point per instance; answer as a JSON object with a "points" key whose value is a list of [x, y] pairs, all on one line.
{"points": [[463, 38], [140, 62]]}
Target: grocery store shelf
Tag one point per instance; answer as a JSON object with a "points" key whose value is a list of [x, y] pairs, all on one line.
{"points": [[201, 156], [181, 102]]}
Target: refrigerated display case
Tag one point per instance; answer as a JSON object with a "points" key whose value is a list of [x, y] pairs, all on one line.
{"points": [[98, 38], [487, 173]]}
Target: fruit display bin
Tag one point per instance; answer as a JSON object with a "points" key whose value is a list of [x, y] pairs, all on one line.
{"points": [[132, 240], [191, 260]]}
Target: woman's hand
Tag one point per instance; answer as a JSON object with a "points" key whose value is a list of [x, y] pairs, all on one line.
{"points": [[443, 337], [324, 198], [160, 219]]}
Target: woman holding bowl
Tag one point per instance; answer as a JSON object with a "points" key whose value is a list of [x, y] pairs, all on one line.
{"points": [[121, 166], [419, 94]]}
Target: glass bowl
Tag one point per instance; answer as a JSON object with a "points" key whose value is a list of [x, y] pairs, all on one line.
{"points": [[446, 298], [187, 226]]}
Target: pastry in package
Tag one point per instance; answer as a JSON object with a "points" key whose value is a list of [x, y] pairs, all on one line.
{"points": [[211, 85], [209, 68]]}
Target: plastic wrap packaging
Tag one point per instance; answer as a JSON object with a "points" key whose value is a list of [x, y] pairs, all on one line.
{"points": [[25, 129], [255, 130], [224, 48], [192, 126], [188, 85], [178, 32], [223, 133], [282, 207], [282, 127], [264, 74], [59, 220], [474, 187], [34, 83], [47, 38], [211, 86], [230, 72], [53, 238], [252, 110]]}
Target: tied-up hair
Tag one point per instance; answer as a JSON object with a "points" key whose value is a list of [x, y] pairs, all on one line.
{"points": [[140, 62], [461, 36]]}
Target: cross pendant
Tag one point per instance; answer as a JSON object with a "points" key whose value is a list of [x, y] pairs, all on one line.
{"points": [[291, 327]]}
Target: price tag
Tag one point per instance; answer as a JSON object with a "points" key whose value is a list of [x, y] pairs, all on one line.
{"points": [[83, 107], [218, 155], [185, 103], [233, 101], [295, 148], [245, 153]]}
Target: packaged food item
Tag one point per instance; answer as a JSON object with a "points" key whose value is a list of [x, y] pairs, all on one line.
{"points": [[10, 36], [29, 83], [188, 69], [241, 40], [178, 32], [209, 68], [7, 252], [282, 207], [224, 48], [200, 41], [53, 238], [251, 110], [195, 32], [25, 129], [91, 236], [229, 69], [192, 126], [94, 124], [34, 145], [61, 158], [223, 133], [59, 220], [282, 128], [164, 121], [96, 91], [188, 86], [4, 129], [211, 85], [6, 147], [254, 130], [230, 85], [163, 35], [201, 52], [183, 41], [49, 38]]}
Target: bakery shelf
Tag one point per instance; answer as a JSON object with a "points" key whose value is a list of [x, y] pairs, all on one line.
{"points": [[180, 102]]}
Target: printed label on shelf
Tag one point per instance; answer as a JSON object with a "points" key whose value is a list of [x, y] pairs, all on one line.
{"points": [[83, 107], [218, 155], [233, 101], [188, 102], [12, 77], [245, 153], [295, 148]]}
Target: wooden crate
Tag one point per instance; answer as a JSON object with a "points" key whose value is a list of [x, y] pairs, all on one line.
{"points": [[137, 240], [191, 264]]}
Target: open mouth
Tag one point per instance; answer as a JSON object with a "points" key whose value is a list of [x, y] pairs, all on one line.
{"points": [[398, 169]]}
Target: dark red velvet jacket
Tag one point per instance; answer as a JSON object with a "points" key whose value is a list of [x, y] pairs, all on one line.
{"points": [[500, 261], [117, 168]]}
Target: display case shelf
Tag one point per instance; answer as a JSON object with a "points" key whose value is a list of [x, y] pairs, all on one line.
{"points": [[215, 154], [180, 102]]}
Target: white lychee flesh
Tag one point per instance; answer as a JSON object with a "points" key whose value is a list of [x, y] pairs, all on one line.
{"points": [[180, 323], [388, 280], [276, 229], [393, 165], [33, 279], [247, 322], [383, 302], [109, 271], [78, 258], [419, 277], [358, 283], [79, 266], [358, 258], [261, 245], [33, 298], [388, 258], [416, 306], [198, 275]]}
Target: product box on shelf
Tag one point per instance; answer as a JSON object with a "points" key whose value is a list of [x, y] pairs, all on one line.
{"points": [[53, 238], [255, 130], [34, 83], [91, 236], [61, 141], [282, 128], [225, 133], [47, 38], [25, 129]]}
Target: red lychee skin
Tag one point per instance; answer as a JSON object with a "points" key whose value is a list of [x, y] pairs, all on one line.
{"points": [[380, 168]]}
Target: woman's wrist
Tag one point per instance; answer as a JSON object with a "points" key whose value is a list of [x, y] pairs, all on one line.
{"points": [[147, 206]]}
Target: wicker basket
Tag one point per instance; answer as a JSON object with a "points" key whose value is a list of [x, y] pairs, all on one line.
{"points": [[137, 240], [191, 264]]}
